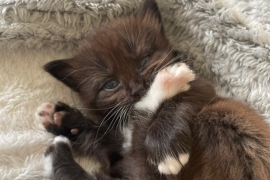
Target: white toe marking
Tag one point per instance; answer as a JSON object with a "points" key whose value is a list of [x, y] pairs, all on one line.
{"points": [[61, 139], [183, 158], [170, 165], [48, 166]]}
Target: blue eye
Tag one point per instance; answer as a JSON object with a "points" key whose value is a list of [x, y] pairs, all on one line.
{"points": [[144, 61], [110, 85]]}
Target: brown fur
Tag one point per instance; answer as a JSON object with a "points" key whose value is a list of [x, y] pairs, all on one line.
{"points": [[225, 139]]}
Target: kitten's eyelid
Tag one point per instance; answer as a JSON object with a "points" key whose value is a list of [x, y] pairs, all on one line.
{"points": [[144, 61]]}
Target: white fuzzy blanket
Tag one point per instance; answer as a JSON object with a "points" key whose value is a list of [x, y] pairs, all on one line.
{"points": [[229, 41]]}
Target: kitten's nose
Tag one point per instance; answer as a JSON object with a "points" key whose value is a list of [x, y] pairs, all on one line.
{"points": [[136, 89], [136, 92]]}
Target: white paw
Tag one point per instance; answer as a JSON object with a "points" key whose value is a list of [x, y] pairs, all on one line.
{"points": [[169, 166], [183, 158], [168, 82], [61, 139], [173, 80], [45, 113], [173, 165]]}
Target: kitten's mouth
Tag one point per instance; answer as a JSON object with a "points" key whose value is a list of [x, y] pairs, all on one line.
{"points": [[136, 99]]}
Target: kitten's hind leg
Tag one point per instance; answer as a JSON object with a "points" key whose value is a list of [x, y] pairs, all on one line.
{"points": [[59, 163], [168, 143], [85, 136]]}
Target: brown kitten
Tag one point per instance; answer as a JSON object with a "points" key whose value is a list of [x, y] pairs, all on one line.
{"points": [[192, 135]]}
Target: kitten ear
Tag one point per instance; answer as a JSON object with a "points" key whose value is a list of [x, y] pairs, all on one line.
{"points": [[150, 6], [62, 70]]}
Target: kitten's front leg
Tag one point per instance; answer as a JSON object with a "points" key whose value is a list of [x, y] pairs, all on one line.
{"points": [[167, 83], [61, 119], [85, 136], [168, 138]]}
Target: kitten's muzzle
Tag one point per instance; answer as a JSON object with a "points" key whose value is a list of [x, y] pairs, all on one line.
{"points": [[136, 90]]}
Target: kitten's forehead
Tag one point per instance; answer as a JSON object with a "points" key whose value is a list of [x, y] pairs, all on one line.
{"points": [[121, 39], [116, 49]]}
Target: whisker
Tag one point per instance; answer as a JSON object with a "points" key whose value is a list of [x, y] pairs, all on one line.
{"points": [[106, 118], [120, 116], [74, 72], [145, 35], [138, 35], [169, 62], [91, 79], [94, 61], [108, 114], [129, 44], [111, 125], [176, 57], [180, 39], [132, 36], [122, 123], [96, 140], [208, 104], [157, 67], [126, 120], [129, 41], [82, 82], [117, 115], [87, 109]]}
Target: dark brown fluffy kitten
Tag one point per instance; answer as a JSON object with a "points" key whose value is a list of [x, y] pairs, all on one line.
{"points": [[112, 71]]}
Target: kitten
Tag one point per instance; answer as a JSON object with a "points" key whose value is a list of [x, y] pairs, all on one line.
{"points": [[186, 132]]}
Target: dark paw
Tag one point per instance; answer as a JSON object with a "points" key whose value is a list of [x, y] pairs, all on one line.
{"points": [[60, 119]]}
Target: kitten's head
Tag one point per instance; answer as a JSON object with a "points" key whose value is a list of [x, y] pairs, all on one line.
{"points": [[116, 64]]}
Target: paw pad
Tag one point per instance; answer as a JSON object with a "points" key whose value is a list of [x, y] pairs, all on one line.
{"points": [[173, 80], [47, 114]]}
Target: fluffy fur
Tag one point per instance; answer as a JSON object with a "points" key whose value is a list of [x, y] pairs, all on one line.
{"points": [[113, 72], [17, 81]]}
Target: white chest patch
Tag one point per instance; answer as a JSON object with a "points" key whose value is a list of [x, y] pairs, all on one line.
{"points": [[127, 133]]}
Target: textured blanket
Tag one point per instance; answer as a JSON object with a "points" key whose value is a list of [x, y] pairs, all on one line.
{"points": [[228, 42]]}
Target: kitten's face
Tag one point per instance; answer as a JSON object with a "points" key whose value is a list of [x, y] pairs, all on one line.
{"points": [[116, 64]]}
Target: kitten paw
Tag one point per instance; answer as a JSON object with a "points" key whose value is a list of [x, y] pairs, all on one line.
{"points": [[168, 153], [47, 114], [173, 80], [171, 165], [168, 82], [59, 119]]}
